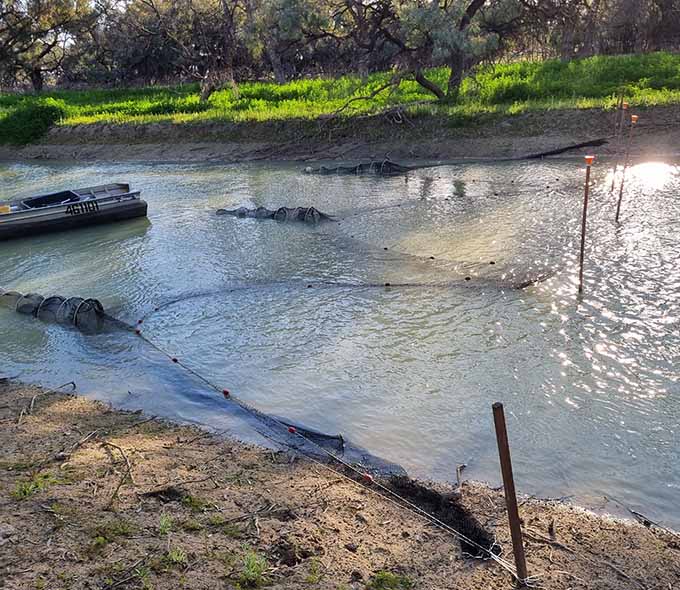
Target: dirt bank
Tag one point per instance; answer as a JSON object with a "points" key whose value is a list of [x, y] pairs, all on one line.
{"points": [[96, 498], [423, 138]]}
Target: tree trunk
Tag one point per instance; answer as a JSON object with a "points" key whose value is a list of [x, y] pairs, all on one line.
{"points": [[37, 79], [428, 85], [276, 63], [207, 88], [457, 65], [567, 49]]}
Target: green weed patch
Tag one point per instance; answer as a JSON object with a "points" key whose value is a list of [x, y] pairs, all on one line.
{"points": [[500, 90]]}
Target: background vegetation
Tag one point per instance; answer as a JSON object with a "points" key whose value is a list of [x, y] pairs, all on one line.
{"points": [[651, 79], [143, 61]]}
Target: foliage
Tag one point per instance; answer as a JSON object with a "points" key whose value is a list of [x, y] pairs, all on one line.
{"points": [[315, 571], [219, 43], [176, 557], [34, 36], [37, 483], [503, 89], [594, 77], [165, 524], [115, 528], [195, 503], [388, 581], [252, 572], [29, 119]]}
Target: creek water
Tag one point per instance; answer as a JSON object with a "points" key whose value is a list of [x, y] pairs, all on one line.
{"points": [[408, 371]]}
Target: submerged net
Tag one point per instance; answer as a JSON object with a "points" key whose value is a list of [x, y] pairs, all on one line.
{"points": [[304, 214], [379, 168], [85, 314]]}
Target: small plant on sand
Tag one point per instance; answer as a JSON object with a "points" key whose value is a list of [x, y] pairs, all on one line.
{"points": [[252, 571], [388, 581], [229, 529], [98, 544], [38, 483], [165, 524], [114, 528], [109, 531], [191, 525], [195, 503], [143, 575], [315, 574], [176, 557]]}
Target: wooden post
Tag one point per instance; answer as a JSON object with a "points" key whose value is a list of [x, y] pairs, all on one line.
{"points": [[633, 122], [586, 192], [618, 118], [622, 120], [510, 495]]}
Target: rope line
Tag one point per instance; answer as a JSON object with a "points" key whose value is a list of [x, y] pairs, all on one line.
{"points": [[467, 281], [388, 494]]}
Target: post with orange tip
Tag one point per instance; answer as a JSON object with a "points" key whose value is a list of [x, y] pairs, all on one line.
{"points": [[633, 122], [619, 132], [510, 494], [586, 191]]}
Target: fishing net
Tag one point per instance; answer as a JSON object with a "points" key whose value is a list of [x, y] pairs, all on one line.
{"points": [[379, 168], [85, 314], [304, 214]]}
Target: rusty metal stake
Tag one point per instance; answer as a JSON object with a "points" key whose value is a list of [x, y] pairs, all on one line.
{"points": [[618, 134], [586, 191], [633, 122], [510, 495]]}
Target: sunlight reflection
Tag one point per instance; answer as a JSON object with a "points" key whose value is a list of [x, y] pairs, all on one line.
{"points": [[651, 175]]}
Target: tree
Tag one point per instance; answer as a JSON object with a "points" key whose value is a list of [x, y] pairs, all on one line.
{"points": [[34, 35], [425, 33]]}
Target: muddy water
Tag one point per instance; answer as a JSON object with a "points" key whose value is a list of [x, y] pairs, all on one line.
{"points": [[408, 371]]}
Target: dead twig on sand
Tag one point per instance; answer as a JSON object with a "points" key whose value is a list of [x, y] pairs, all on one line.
{"points": [[65, 455], [172, 484], [128, 473], [28, 410], [129, 574]]}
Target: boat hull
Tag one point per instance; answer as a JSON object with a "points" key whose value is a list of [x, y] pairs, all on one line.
{"points": [[69, 218]]}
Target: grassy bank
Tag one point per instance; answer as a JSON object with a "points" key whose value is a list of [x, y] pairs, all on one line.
{"points": [[505, 89], [95, 498]]}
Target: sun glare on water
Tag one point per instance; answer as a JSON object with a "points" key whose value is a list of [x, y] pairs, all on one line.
{"points": [[652, 176]]}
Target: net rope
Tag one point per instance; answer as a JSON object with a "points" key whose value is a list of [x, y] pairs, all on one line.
{"points": [[386, 491]]}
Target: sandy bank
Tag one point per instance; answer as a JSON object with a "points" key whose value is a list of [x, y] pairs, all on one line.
{"points": [[424, 138], [96, 498]]}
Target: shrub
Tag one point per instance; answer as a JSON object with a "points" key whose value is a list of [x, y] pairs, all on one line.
{"points": [[30, 120]]}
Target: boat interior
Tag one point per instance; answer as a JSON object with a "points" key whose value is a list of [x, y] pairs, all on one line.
{"points": [[76, 196]]}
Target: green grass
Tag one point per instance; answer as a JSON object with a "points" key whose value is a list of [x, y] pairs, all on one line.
{"points": [[39, 482], [195, 504], [108, 531], [388, 581], [504, 89], [165, 524], [253, 569]]}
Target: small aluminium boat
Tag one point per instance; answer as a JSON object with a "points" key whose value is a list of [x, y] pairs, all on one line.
{"points": [[70, 210]]}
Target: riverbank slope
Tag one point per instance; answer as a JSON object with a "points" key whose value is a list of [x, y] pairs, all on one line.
{"points": [[91, 497], [424, 138]]}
